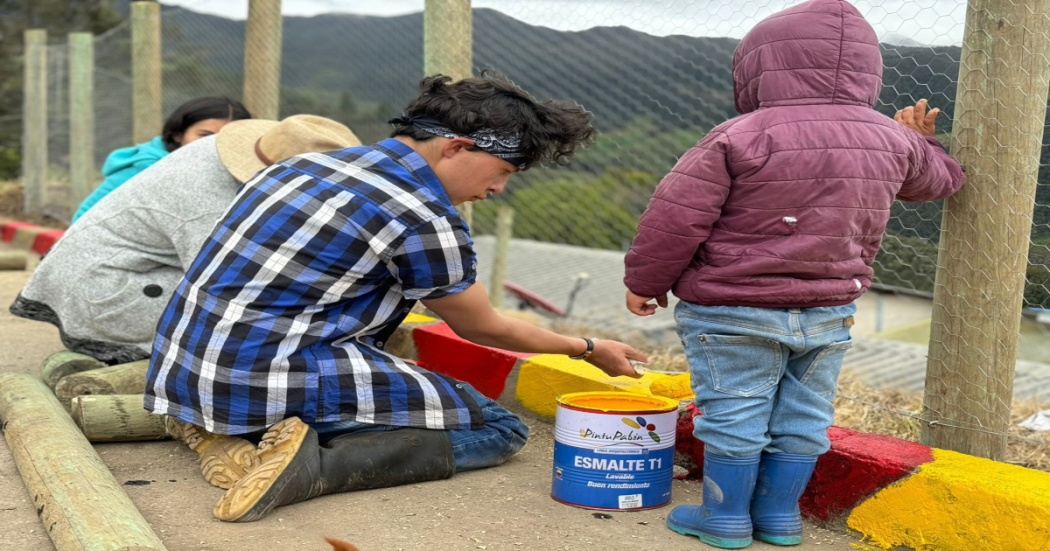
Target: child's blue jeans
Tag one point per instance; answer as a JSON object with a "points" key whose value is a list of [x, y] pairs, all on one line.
{"points": [[764, 378]]}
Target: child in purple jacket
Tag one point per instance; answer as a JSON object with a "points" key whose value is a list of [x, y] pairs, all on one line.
{"points": [[766, 230]]}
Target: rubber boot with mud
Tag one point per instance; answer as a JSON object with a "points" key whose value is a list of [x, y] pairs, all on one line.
{"points": [[723, 520], [295, 468], [224, 459], [782, 477]]}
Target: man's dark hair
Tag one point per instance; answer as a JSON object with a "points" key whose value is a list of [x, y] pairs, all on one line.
{"points": [[197, 110], [550, 131]]}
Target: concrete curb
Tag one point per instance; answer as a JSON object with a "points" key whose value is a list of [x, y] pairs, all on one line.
{"points": [[894, 492], [29, 236]]}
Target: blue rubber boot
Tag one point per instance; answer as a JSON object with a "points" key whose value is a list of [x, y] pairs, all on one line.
{"points": [[782, 477], [723, 520]]}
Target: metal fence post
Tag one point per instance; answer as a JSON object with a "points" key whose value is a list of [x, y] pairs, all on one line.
{"points": [[447, 49], [262, 59], [81, 116], [1000, 113], [146, 98], [34, 129]]}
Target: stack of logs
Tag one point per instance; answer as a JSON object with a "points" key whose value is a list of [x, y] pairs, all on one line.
{"points": [[48, 422], [104, 401]]}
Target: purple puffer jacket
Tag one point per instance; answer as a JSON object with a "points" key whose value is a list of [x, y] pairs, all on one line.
{"points": [[785, 205]]}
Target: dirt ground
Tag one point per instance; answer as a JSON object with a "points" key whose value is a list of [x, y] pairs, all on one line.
{"points": [[505, 508]]}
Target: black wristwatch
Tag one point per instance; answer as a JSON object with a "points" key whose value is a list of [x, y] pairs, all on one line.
{"points": [[586, 353]]}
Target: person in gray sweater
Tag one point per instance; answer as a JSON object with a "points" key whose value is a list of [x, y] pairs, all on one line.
{"points": [[106, 282]]}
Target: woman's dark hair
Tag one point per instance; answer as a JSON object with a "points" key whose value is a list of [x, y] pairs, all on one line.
{"points": [[550, 131], [197, 110]]}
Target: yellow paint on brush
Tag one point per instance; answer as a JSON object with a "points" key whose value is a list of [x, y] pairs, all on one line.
{"points": [[960, 502], [672, 386], [417, 318], [543, 378]]}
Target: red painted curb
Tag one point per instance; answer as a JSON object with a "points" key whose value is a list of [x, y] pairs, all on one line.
{"points": [[45, 240], [857, 465], [855, 468], [685, 443], [9, 229], [442, 351]]}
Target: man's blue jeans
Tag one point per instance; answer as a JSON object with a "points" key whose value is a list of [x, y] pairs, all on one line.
{"points": [[764, 378], [504, 435]]}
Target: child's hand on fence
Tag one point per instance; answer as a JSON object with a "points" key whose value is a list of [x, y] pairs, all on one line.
{"points": [[639, 305], [614, 358], [918, 118]]}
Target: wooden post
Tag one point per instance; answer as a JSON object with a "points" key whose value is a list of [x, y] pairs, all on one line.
{"points": [[262, 59], [116, 418], [80, 504], [60, 364], [448, 36], [81, 116], [504, 231], [146, 99], [999, 117], [129, 378], [34, 120]]}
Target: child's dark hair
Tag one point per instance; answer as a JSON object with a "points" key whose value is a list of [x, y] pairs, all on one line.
{"points": [[550, 131], [197, 110]]}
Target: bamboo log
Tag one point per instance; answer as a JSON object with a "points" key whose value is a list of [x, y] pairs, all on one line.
{"points": [[81, 116], [504, 231], [80, 504], [116, 418], [34, 119], [262, 58], [129, 378], [146, 74], [13, 260], [61, 364], [1000, 117], [448, 42]]}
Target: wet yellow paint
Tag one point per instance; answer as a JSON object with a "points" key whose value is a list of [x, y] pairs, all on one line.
{"points": [[960, 502], [542, 379], [673, 386], [618, 402]]}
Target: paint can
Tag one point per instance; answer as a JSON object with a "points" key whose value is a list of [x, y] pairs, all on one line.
{"points": [[614, 450]]}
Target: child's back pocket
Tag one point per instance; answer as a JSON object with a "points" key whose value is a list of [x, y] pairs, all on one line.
{"points": [[743, 365]]}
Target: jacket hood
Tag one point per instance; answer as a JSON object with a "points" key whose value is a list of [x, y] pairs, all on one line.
{"points": [[148, 152], [818, 52]]}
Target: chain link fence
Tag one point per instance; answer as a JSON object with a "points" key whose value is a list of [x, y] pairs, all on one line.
{"points": [[657, 76]]}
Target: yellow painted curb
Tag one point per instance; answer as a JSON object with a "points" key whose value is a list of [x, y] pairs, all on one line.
{"points": [[542, 379], [960, 502], [418, 318]]}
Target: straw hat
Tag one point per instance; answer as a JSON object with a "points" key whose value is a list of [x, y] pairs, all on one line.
{"points": [[250, 145]]}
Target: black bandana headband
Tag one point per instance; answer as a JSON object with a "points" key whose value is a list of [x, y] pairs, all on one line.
{"points": [[506, 146]]}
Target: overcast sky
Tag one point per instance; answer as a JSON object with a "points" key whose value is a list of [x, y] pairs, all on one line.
{"points": [[924, 21]]}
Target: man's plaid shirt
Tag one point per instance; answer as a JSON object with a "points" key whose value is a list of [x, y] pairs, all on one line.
{"points": [[281, 312]]}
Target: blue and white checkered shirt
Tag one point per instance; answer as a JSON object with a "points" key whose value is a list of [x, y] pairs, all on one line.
{"points": [[285, 308]]}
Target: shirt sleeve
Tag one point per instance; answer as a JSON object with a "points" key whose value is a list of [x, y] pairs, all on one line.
{"points": [[435, 260]]}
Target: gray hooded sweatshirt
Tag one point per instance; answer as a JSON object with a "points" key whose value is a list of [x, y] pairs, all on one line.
{"points": [[106, 282]]}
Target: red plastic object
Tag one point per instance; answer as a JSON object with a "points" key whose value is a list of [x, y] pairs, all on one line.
{"points": [[532, 299]]}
